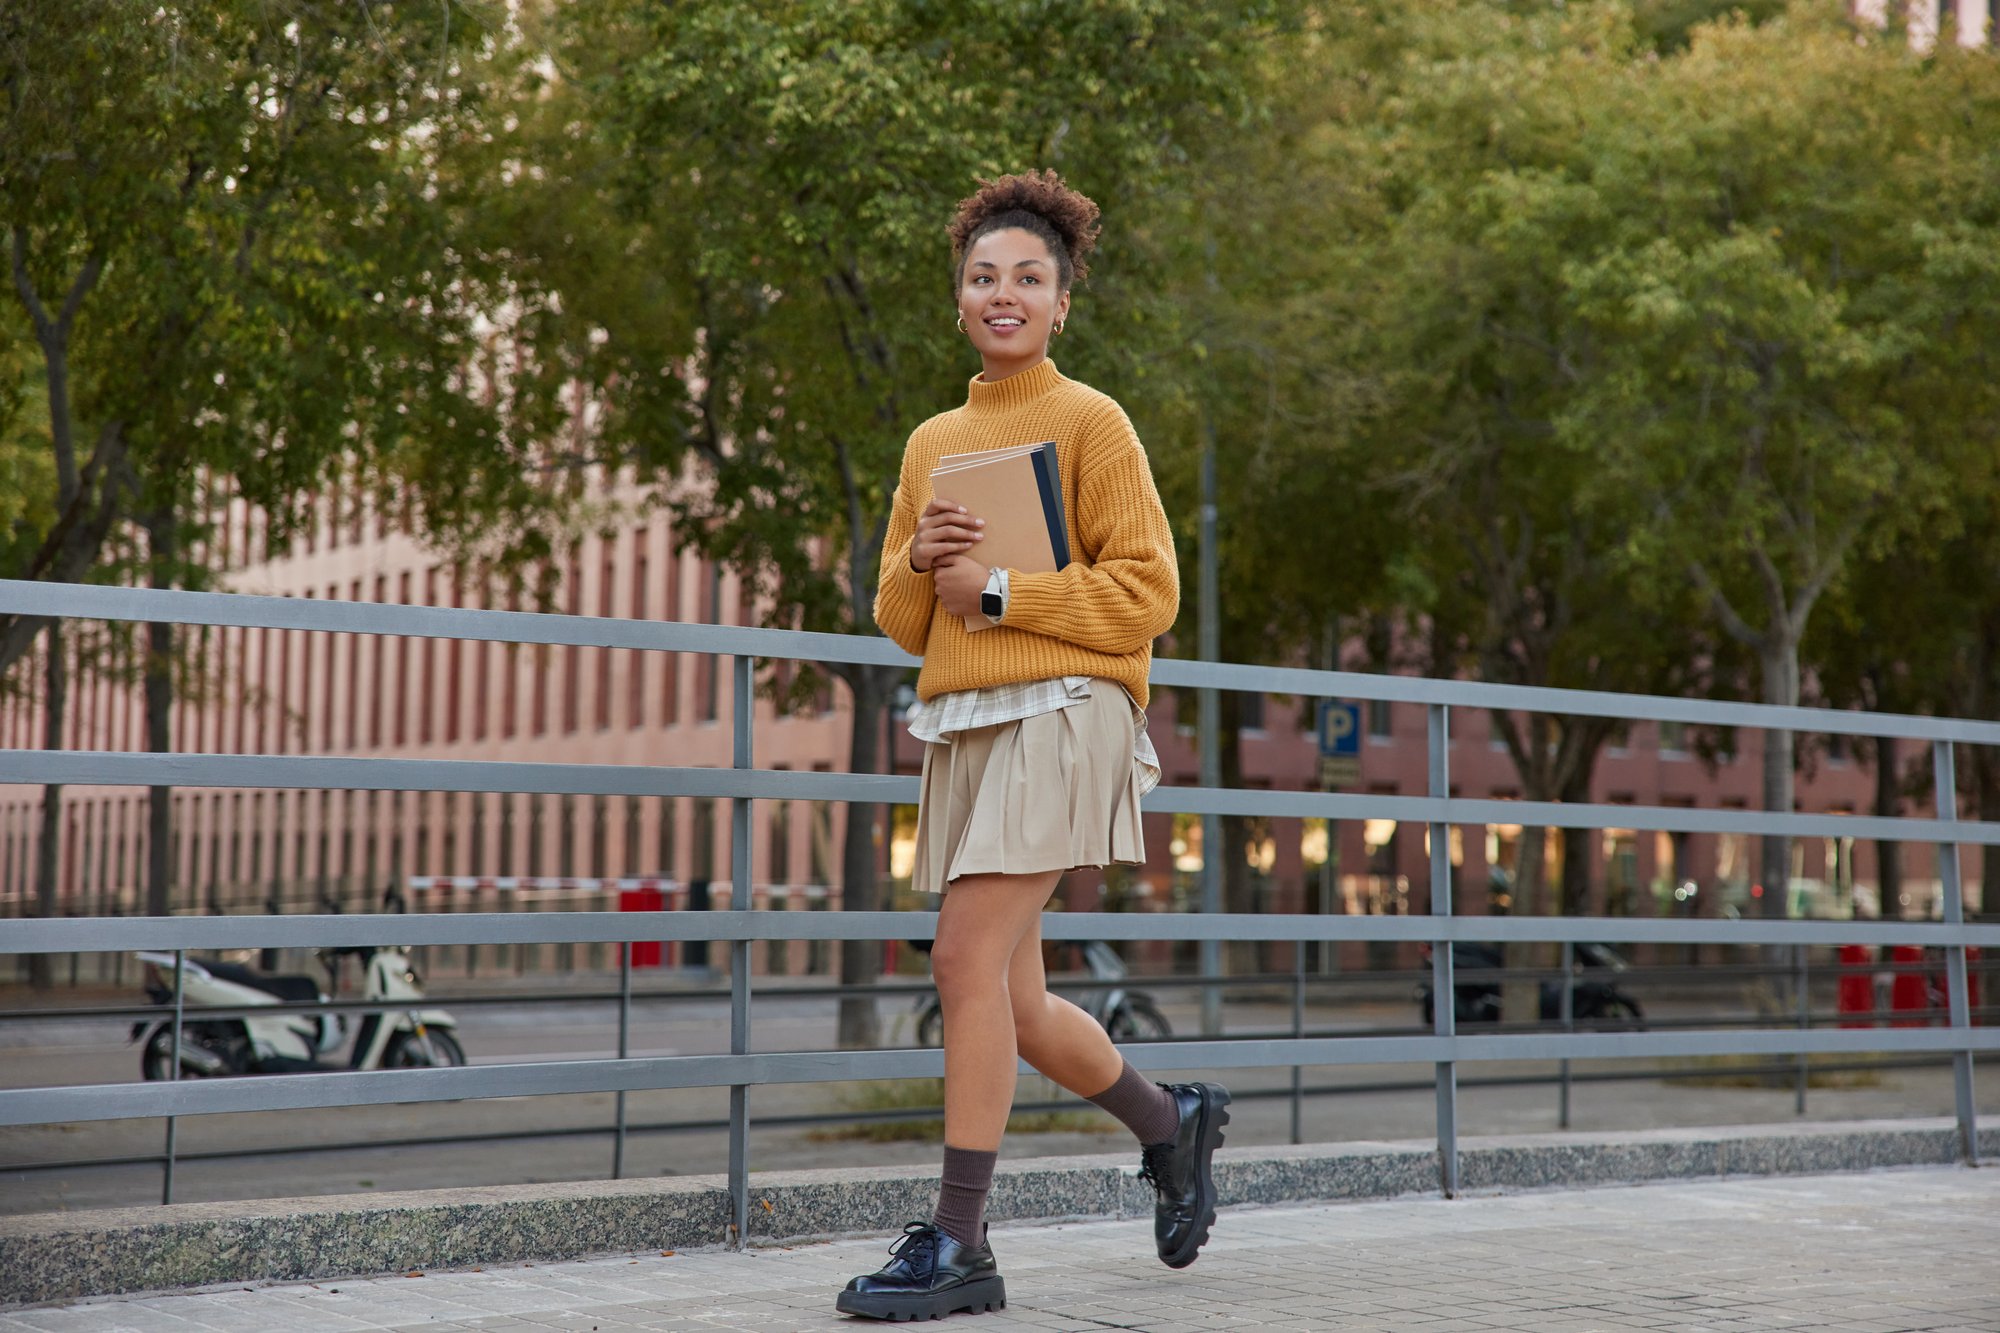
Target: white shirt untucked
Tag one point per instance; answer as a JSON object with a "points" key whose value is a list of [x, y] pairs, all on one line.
{"points": [[962, 710]]}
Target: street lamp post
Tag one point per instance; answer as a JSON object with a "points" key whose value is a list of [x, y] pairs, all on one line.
{"points": [[1210, 729]]}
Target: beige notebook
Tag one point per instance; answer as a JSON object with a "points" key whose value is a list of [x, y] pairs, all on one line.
{"points": [[1018, 491]]}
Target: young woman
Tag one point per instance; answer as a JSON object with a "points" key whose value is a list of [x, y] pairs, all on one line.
{"points": [[1036, 752]]}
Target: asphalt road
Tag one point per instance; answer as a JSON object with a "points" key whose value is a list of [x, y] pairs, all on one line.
{"points": [[564, 1138]]}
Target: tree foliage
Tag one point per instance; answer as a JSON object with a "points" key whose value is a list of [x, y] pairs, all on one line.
{"points": [[774, 180], [233, 236]]}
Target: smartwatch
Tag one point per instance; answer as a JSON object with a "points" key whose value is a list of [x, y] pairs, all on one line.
{"points": [[992, 602]]}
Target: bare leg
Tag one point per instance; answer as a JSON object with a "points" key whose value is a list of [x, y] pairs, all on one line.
{"points": [[980, 927], [1056, 1037]]}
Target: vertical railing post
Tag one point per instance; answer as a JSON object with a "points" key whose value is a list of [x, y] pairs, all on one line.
{"points": [[1444, 1006], [1298, 1031], [1568, 1023], [174, 1069], [1802, 997], [739, 957], [1944, 769], [624, 1050]]}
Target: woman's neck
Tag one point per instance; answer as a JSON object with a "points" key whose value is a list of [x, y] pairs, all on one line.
{"points": [[993, 371]]}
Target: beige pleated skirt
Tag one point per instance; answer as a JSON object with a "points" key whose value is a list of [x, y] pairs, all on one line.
{"points": [[1056, 791]]}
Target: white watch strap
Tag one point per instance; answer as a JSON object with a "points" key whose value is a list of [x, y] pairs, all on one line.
{"points": [[996, 582]]}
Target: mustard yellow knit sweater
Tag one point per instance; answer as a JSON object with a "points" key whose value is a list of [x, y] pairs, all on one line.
{"points": [[1099, 616]]}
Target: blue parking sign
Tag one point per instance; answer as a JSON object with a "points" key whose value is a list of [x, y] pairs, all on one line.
{"points": [[1339, 729]]}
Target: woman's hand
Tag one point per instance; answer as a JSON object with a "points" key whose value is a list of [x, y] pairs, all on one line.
{"points": [[943, 529], [959, 580]]}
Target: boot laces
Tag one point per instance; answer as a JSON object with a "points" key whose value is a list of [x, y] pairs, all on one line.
{"points": [[918, 1243], [1154, 1161]]}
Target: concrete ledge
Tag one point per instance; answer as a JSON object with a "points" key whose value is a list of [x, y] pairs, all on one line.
{"points": [[62, 1256]]}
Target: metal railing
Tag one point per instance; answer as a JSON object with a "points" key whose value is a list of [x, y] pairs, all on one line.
{"points": [[740, 1070]]}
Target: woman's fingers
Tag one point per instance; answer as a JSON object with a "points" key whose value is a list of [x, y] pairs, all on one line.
{"points": [[944, 529], [947, 513], [952, 532]]}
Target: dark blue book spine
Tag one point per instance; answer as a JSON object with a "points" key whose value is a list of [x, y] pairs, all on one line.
{"points": [[1049, 478]]}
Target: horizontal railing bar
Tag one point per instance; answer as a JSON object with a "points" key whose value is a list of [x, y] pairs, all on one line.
{"points": [[811, 1119], [1559, 814], [110, 768], [251, 611], [721, 926], [1186, 673], [339, 772], [128, 1101], [76, 601], [1639, 976], [120, 934]]}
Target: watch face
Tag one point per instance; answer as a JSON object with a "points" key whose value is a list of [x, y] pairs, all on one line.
{"points": [[989, 602]]}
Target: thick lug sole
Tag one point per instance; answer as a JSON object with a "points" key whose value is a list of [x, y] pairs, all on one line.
{"points": [[988, 1293], [1217, 1104]]}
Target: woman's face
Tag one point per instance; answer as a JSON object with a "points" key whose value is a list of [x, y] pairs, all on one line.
{"points": [[1011, 299]]}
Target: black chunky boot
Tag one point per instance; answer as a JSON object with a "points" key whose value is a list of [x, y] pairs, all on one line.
{"points": [[1179, 1173], [931, 1276]]}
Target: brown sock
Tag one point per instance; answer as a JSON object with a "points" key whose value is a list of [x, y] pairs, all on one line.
{"points": [[1147, 1109], [968, 1179]]}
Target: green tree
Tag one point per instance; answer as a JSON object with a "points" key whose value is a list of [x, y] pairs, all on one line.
{"points": [[1385, 346], [1252, 253], [246, 266], [1916, 627], [1765, 352], [745, 209]]}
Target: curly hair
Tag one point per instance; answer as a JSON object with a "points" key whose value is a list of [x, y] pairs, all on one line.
{"points": [[1035, 201]]}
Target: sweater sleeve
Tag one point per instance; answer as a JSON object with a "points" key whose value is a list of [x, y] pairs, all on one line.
{"points": [[904, 599], [1130, 592]]}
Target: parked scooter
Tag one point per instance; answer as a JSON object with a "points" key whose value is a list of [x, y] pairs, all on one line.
{"points": [[1594, 994], [399, 1036], [1593, 999]]}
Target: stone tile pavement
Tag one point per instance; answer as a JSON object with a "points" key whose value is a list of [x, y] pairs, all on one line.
{"points": [[1879, 1252]]}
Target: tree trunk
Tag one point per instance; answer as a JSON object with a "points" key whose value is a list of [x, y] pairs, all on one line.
{"points": [[48, 857], [1528, 864], [860, 1025], [1779, 665], [1579, 880], [161, 529], [1888, 851]]}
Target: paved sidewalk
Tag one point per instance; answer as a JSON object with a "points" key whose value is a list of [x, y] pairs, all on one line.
{"points": [[1865, 1253]]}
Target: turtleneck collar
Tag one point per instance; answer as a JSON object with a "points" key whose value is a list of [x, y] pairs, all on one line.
{"points": [[1016, 390]]}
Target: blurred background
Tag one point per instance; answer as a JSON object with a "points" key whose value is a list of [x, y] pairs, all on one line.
{"points": [[1644, 346]]}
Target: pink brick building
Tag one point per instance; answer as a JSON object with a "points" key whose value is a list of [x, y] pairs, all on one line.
{"points": [[294, 692]]}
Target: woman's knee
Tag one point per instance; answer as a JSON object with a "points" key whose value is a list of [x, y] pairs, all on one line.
{"points": [[961, 969]]}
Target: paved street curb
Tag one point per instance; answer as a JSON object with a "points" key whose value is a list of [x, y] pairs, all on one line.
{"points": [[61, 1256]]}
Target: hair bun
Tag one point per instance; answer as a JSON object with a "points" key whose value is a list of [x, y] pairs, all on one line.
{"points": [[1069, 214]]}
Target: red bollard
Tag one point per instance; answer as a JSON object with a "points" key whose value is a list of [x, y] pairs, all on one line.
{"points": [[1972, 982], [1910, 991], [645, 953], [1857, 986]]}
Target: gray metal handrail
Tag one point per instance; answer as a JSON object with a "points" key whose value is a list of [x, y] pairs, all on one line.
{"points": [[739, 927]]}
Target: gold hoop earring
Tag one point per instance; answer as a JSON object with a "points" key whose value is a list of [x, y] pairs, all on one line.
{"points": [[1059, 326], [961, 323]]}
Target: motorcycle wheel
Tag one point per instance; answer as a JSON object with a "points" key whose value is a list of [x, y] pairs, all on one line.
{"points": [[1138, 1020], [406, 1051], [1626, 1008], [930, 1026], [157, 1058]]}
